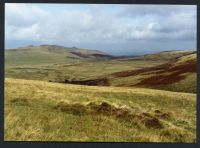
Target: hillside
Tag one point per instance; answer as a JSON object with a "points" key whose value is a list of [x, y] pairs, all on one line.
{"points": [[166, 55], [177, 75], [43, 111], [168, 70], [73, 94], [48, 54], [50, 63]]}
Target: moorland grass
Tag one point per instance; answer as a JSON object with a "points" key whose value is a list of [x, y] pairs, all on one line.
{"points": [[43, 111]]}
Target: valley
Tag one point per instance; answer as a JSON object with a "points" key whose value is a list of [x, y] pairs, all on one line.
{"points": [[72, 94]]}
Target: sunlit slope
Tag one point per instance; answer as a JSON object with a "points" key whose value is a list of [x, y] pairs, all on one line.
{"points": [[36, 110], [166, 55], [76, 70], [177, 75], [48, 54]]}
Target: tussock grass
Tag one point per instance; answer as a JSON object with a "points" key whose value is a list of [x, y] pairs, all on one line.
{"points": [[43, 111]]}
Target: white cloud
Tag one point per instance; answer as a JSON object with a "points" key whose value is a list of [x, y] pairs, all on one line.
{"points": [[91, 24]]}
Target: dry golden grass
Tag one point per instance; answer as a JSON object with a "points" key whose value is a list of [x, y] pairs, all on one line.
{"points": [[186, 58], [43, 111]]}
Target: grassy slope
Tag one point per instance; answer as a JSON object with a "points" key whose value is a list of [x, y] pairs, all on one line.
{"points": [[31, 113], [166, 55], [48, 54], [36, 110], [56, 63], [36, 55], [188, 84], [74, 70]]}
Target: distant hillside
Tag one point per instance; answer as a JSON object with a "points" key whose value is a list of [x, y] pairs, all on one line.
{"points": [[46, 54], [168, 70], [165, 55], [177, 75]]}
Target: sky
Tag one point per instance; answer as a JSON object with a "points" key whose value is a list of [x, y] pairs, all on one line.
{"points": [[115, 29]]}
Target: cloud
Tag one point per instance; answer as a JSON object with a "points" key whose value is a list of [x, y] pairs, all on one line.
{"points": [[86, 25], [23, 15]]}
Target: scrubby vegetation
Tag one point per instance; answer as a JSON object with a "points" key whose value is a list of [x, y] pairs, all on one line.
{"points": [[36, 110]]}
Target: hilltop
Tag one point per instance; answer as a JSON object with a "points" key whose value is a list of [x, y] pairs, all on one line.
{"points": [[47, 54], [167, 55], [160, 56]]}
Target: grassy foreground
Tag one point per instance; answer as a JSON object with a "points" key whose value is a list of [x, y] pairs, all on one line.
{"points": [[44, 111]]}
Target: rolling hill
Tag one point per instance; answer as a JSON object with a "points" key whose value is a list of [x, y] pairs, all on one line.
{"points": [[177, 75], [168, 70], [48, 54], [166, 55]]}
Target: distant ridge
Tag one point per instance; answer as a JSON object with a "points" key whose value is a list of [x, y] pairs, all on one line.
{"points": [[166, 55], [47, 54]]}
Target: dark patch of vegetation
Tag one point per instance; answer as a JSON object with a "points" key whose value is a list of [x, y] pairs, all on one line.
{"points": [[96, 55], [105, 109], [103, 56], [173, 77], [75, 109], [160, 114], [136, 72], [20, 102], [80, 54], [160, 77], [93, 82]]}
